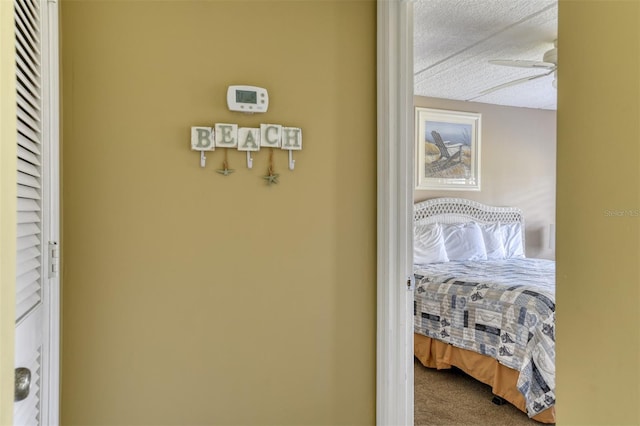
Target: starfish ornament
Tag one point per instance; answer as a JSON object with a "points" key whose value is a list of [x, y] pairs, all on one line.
{"points": [[271, 177], [225, 170]]}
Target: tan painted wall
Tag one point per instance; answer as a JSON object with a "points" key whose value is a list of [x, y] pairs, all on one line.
{"points": [[193, 298], [8, 176], [518, 165], [598, 275]]}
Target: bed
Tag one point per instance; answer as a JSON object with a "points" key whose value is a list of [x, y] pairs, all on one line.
{"points": [[480, 305]]}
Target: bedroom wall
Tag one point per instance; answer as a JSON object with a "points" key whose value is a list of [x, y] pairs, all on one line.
{"points": [[598, 241], [518, 165], [193, 298]]}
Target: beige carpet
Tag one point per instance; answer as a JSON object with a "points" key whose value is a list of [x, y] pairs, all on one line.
{"points": [[450, 397]]}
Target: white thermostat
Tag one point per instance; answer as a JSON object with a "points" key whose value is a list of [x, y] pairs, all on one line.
{"points": [[247, 99]]}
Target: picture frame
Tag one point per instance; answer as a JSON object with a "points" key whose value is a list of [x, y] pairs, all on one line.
{"points": [[447, 149]]}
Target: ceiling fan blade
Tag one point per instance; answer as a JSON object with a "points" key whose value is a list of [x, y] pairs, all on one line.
{"points": [[520, 63], [513, 83]]}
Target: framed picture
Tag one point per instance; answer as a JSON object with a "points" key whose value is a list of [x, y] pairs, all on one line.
{"points": [[447, 150]]}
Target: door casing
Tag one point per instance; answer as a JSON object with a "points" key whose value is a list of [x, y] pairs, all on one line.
{"points": [[394, 392]]}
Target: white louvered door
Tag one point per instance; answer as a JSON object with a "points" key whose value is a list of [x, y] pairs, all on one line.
{"points": [[37, 282]]}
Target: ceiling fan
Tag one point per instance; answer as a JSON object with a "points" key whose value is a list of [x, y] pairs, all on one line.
{"points": [[549, 64]]}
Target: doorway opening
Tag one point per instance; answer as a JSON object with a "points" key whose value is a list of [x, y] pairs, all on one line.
{"points": [[497, 64]]}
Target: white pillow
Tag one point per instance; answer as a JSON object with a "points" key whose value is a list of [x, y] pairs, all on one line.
{"points": [[492, 235], [512, 239], [428, 244], [464, 241]]}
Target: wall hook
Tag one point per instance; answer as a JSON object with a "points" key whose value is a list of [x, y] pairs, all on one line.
{"points": [[292, 162], [203, 159], [249, 160]]}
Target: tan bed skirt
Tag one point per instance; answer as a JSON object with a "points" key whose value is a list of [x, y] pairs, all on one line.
{"points": [[436, 354]]}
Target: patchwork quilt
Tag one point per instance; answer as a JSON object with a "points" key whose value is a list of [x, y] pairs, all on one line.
{"points": [[504, 309]]}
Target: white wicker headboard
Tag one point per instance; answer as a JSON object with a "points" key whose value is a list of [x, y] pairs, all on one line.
{"points": [[456, 210]]}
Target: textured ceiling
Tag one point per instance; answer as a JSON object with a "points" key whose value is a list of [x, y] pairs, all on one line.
{"points": [[455, 39]]}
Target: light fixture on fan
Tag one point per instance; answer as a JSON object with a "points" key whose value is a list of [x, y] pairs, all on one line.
{"points": [[549, 63]]}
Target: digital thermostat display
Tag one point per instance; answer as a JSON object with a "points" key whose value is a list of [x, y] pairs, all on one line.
{"points": [[246, 96], [247, 99]]}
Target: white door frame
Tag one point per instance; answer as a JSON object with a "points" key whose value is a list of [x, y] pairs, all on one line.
{"points": [[50, 404], [394, 393]]}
